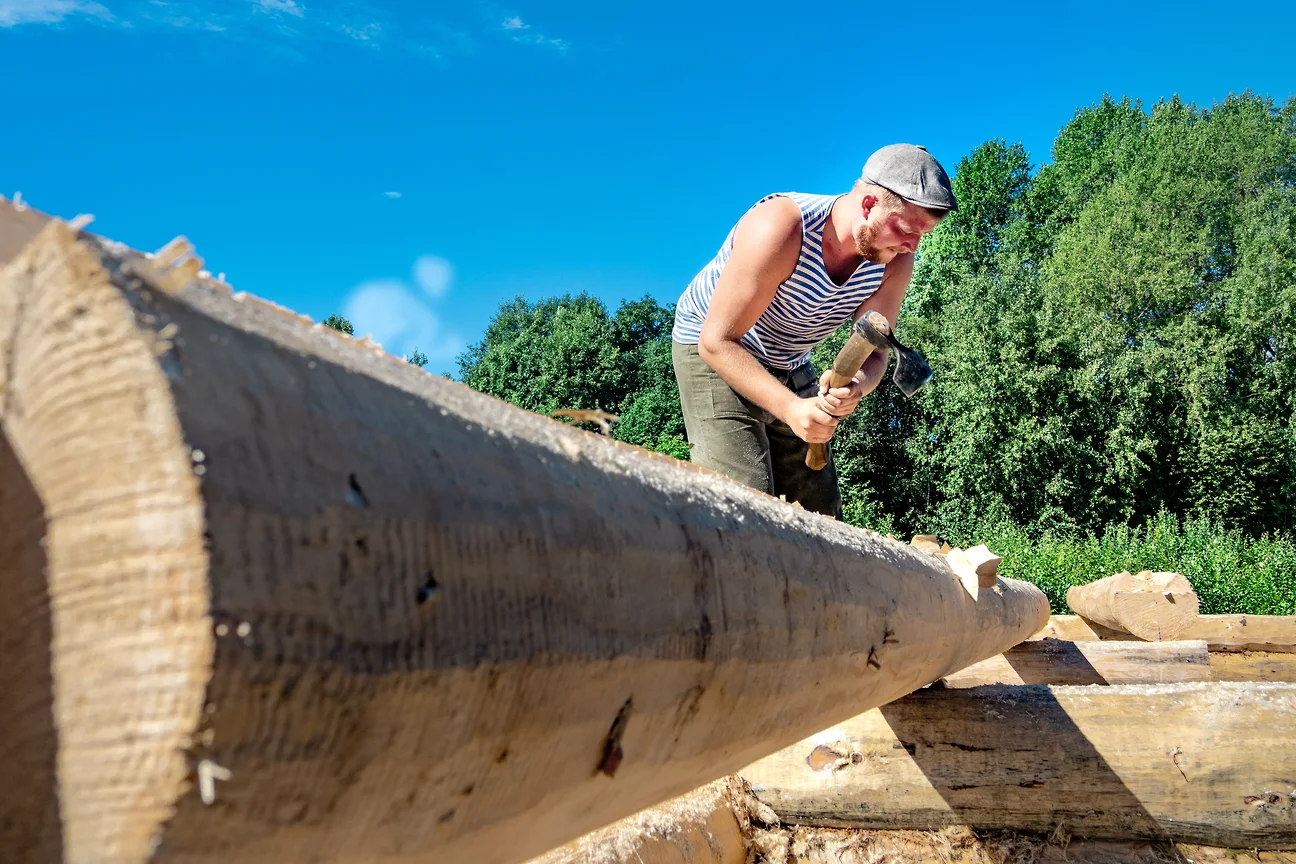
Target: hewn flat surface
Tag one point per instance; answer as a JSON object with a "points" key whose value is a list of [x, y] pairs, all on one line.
{"points": [[1211, 763]]}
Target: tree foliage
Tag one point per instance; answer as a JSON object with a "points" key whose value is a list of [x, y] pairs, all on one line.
{"points": [[1112, 333], [340, 324], [569, 352]]}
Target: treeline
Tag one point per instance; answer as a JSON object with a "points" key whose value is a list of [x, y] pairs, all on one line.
{"points": [[568, 352], [1111, 334]]}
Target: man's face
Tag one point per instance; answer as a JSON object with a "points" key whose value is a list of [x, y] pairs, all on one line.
{"points": [[883, 234]]}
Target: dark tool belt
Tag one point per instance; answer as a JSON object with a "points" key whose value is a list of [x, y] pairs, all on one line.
{"points": [[796, 379]]}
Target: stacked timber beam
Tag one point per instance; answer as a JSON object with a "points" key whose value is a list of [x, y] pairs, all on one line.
{"points": [[1113, 724], [275, 595]]}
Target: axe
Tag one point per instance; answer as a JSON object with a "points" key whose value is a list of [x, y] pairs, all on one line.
{"points": [[872, 332]]}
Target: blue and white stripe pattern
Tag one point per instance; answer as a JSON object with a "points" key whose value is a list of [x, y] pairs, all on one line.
{"points": [[806, 308]]}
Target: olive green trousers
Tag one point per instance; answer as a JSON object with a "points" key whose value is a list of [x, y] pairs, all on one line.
{"points": [[737, 438]]}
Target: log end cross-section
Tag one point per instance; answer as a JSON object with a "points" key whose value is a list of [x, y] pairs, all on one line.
{"points": [[311, 603], [90, 423]]}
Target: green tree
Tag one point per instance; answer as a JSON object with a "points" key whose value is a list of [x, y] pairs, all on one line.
{"points": [[568, 352], [340, 324], [418, 358], [1111, 334]]}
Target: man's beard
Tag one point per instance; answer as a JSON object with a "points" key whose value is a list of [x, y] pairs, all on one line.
{"points": [[866, 248]]}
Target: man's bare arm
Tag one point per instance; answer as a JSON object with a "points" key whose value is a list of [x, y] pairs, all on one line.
{"points": [[767, 243]]}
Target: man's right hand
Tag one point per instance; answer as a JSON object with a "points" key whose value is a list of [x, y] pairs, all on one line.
{"points": [[811, 423]]}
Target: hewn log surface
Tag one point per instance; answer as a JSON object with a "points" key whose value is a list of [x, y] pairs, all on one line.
{"points": [[1275, 634], [1053, 661], [1253, 666], [1202, 762], [310, 603], [701, 827], [1150, 605]]}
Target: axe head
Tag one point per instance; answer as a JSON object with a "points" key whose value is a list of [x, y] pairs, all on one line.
{"points": [[912, 369]]}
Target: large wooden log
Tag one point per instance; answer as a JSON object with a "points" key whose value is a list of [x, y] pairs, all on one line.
{"points": [[1202, 762], [1152, 606], [1275, 634], [309, 602], [1053, 661]]}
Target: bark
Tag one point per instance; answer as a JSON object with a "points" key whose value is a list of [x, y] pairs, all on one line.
{"points": [[1210, 763], [311, 603]]}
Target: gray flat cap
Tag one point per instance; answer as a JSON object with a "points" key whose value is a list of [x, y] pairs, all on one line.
{"points": [[911, 172]]}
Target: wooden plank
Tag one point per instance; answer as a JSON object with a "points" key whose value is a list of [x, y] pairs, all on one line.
{"points": [[1210, 763], [1253, 666], [1275, 634], [311, 603], [1150, 605], [1053, 661]]}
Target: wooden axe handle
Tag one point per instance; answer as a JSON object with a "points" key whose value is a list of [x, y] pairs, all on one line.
{"points": [[847, 365]]}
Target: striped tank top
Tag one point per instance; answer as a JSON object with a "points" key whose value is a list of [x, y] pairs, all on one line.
{"points": [[806, 308]]}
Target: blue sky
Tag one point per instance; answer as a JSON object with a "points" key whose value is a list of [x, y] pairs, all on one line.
{"points": [[417, 163]]}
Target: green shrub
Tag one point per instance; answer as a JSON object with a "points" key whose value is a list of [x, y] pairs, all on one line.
{"points": [[1231, 573]]}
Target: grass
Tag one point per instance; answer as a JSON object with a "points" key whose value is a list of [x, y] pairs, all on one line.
{"points": [[1232, 574]]}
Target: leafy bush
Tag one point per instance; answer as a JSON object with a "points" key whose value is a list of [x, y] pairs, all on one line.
{"points": [[1232, 574]]}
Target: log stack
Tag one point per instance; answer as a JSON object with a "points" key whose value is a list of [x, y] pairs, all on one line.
{"points": [[1102, 725], [1085, 742], [1092, 748]]}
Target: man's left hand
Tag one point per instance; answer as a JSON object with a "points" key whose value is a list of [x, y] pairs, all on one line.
{"points": [[841, 401]]}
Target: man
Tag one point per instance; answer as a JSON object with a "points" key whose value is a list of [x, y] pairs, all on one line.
{"points": [[792, 269]]}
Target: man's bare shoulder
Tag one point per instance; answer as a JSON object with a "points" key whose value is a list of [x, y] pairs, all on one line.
{"points": [[771, 230]]}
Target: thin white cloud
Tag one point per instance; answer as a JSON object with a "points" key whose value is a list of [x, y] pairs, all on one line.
{"points": [[15, 12], [400, 317], [288, 7], [291, 27], [522, 33], [361, 32], [392, 194]]}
